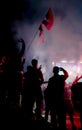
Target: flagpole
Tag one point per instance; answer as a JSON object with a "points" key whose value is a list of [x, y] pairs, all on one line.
{"points": [[32, 40], [30, 43]]}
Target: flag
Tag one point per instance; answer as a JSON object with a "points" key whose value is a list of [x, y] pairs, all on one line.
{"points": [[48, 20]]}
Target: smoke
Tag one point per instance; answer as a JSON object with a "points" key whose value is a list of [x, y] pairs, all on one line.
{"points": [[21, 19]]}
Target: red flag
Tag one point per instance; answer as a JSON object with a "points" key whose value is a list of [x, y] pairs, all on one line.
{"points": [[49, 19], [47, 22]]}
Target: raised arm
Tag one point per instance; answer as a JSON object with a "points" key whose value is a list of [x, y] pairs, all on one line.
{"points": [[76, 79], [65, 72], [23, 47]]}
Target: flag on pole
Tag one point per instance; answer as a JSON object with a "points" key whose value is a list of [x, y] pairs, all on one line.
{"points": [[48, 20]]}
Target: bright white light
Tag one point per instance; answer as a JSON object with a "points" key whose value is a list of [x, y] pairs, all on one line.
{"points": [[64, 61], [53, 63], [80, 62]]}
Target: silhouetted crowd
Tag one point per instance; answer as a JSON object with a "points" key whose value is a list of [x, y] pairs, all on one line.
{"points": [[22, 91]]}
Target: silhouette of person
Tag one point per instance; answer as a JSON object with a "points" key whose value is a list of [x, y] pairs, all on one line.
{"points": [[77, 96], [3, 86], [37, 82], [28, 93], [80, 104], [55, 98], [14, 75], [69, 108]]}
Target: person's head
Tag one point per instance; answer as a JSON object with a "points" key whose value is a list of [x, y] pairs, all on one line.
{"points": [[34, 62], [29, 68], [55, 69]]}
